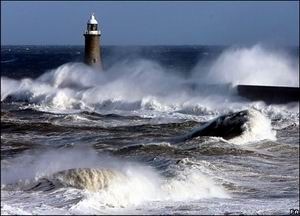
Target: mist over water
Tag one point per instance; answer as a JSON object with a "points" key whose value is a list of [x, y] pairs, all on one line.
{"points": [[145, 85], [79, 141], [256, 65]]}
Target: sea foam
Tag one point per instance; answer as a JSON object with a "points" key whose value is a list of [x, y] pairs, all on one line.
{"points": [[257, 128], [107, 181], [145, 88]]}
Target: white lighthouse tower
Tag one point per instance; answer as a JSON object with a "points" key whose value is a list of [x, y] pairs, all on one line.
{"points": [[92, 55]]}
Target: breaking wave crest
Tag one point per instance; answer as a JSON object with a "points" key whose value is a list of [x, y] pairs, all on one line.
{"points": [[86, 178], [146, 88], [257, 128], [108, 181]]}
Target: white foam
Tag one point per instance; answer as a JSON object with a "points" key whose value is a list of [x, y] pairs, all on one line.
{"points": [[137, 184], [144, 186], [8, 86], [257, 128], [12, 210], [256, 65], [191, 185], [144, 88]]}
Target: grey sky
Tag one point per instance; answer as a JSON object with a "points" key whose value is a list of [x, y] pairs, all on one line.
{"points": [[151, 23]]}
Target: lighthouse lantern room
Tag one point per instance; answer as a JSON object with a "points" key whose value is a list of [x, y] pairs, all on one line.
{"points": [[92, 44]]}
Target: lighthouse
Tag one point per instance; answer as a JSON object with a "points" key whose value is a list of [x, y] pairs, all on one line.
{"points": [[92, 55]]}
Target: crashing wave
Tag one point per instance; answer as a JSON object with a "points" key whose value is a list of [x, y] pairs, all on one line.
{"points": [[88, 178], [239, 127]]}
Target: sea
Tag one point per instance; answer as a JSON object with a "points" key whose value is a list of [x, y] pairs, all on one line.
{"points": [[82, 140]]}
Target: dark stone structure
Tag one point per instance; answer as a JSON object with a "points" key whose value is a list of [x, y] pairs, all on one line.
{"points": [[269, 94], [92, 55]]}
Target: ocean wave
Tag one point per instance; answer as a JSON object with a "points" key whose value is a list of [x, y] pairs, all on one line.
{"points": [[239, 127], [104, 180], [90, 179], [144, 88], [257, 128]]}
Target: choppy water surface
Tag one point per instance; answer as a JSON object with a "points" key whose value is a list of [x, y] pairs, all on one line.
{"points": [[79, 141]]}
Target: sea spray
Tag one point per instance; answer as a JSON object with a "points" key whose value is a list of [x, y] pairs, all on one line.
{"points": [[8, 87], [106, 180], [257, 128], [161, 183], [145, 88], [257, 65]]}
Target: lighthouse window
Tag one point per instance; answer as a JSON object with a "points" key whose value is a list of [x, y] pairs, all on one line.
{"points": [[94, 27]]}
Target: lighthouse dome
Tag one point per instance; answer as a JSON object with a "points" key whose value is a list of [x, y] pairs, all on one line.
{"points": [[92, 27], [92, 20]]}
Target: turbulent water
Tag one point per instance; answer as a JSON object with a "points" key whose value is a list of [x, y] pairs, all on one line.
{"points": [[79, 141]]}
